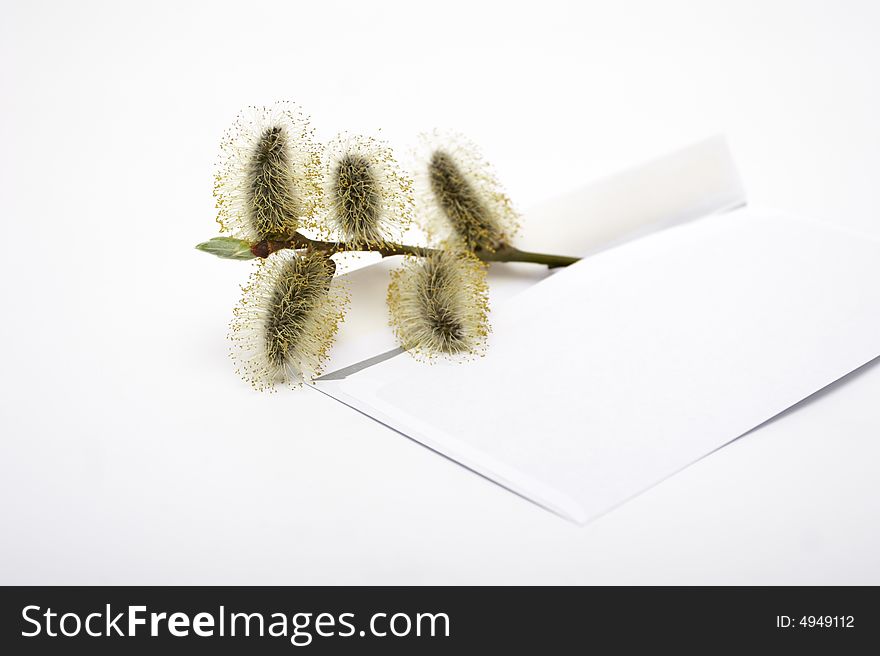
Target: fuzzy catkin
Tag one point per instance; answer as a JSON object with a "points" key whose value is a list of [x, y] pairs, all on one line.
{"points": [[368, 199], [267, 184], [462, 205], [358, 200], [275, 206], [458, 197], [287, 319], [439, 304]]}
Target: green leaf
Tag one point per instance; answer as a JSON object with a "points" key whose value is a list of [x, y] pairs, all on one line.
{"points": [[228, 248]]}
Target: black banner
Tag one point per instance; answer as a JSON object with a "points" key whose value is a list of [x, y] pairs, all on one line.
{"points": [[187, 620]]}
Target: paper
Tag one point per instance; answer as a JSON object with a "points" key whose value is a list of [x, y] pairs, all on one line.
{"points": [[693, 182], [618, 371]]}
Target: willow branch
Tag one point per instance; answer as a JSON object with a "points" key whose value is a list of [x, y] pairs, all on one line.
{"points": [[504, 253]]}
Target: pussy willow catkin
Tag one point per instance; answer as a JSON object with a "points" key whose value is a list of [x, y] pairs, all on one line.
{"points": [[267, 183], [287, 319], [458, 195], [367, 197], [439, 304]]}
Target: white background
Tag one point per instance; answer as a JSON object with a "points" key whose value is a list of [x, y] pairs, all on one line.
{"points": [[131, 453]]}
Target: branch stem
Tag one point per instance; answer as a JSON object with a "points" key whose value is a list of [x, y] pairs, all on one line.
{"points": [[503, 253]]}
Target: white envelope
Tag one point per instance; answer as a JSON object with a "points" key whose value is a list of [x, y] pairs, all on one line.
{"points": [[608, 376]]}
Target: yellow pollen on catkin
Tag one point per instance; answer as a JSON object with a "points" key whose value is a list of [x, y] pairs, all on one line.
{"points": [[439, 304], [267, 184], [458, 196], [287, 319], [368, 199]]}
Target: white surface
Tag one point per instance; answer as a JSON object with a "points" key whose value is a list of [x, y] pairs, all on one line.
{"points": [[131, 454], [626, 367]]}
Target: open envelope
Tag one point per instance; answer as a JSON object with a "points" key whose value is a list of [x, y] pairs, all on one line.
{"points": [[606, 377]]}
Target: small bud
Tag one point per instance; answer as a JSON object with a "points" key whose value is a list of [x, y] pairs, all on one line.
{"points": [[267, 182], [228, 248], [287, 319], [368, 199], [458, 195], [439, 304]]}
